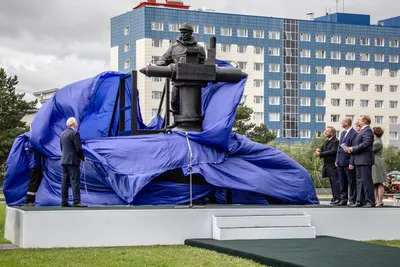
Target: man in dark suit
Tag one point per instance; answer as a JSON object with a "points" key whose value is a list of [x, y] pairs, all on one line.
{"points": [[72, 154], [328, 153], [364, 159], [345, 164]]}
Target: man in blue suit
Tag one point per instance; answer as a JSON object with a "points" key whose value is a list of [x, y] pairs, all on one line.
{"points": [[345, 164], [364, 159], [72, 154]]}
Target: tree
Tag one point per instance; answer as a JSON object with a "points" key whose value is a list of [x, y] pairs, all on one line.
{"points": [[257, 133], [12, 109], [391, 157]]}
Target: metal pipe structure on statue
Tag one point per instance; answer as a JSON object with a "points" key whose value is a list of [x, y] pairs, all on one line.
{"points": [[190, 77]]}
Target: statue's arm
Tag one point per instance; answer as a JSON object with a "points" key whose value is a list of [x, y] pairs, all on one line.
{"points": [[165, 59], [202, 56]]}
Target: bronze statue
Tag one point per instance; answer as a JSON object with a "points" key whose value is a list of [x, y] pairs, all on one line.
{"points": [[176, 53]]}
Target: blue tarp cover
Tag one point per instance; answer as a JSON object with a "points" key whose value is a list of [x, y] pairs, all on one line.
{"points": [[120, 170]]}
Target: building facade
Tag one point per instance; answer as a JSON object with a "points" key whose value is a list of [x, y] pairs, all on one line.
{"points": [[303, 74]]}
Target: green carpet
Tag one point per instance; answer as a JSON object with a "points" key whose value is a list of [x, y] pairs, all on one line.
{"points": [[322, 251]]}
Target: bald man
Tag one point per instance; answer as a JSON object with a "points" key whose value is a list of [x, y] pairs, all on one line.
{"points": [[72, 154]]}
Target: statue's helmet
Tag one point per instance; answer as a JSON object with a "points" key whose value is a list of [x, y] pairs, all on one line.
{"points": [[186, 26]]}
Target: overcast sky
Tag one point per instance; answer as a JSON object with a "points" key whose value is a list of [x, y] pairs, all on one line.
{"points": [[51, 43]]}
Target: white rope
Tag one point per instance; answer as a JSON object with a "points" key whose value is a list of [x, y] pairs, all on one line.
{"points": [[84, 178], [190, 169]]}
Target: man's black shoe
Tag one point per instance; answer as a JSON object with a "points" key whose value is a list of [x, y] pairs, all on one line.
{"points": [[342, 203], [351, 203], [368, 205], [335, 202], [66, 205], [358, 204], [79, 205]]}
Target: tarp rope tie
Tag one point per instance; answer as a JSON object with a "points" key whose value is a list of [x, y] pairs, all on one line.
{"points": [[84, 178], [190, 169]]}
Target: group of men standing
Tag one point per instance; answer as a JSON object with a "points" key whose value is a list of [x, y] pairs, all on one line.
{"points": [[348, 163]]}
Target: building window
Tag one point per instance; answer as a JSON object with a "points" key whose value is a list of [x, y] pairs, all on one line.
{"points": [[209, 29], [259, 34], [336, 39], [241, 49], [335, 71], [127, 64], [305, 117], [393, 73], [274, 84], [157, 79], [320, 102], [364, 87], [127, 30], [258, 99], [174, 27], [305, 134], [378, 119], [350, 56], [335, 102], [304, 101], [272, 67], [276, 132], [242, 65], [154, 112], [305, 53], [364, 57], [258, 116], [364, 72], [274, 116], [258, 83], [320, 86], [305, 85], [379, 103], [258, 50], [364, 103], [379, 73], [394, 43], [242, 32], [274, 51], [244, 98], [379, 88], [393, 104], [156, 42], [349, 71], [379, 42], [350, 116], [320, 54], [127, 47], [156, 94], [320, 38], [393, 119], [379, 58], [273, 35], [225, 48], [349, 87], [335, 118], [335, 86], [364, 41], [226, 31], [158, 26], [335, 55], [306, 37], [154, 59], [350, 40], [274, 100], [349, 102], [319, 118], [393, 88], [305, 69], [394, 58], [259, 67], [319, 70], [393, 135], [195, 28]]}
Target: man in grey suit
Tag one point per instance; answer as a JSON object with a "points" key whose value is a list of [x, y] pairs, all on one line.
{"points": [[72, 154], [364, 159]]}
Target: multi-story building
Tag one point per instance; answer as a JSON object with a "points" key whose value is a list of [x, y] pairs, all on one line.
{"points": [[303, 74]]}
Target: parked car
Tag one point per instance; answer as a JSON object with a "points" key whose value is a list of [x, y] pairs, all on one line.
{"points": [[394, 175]]}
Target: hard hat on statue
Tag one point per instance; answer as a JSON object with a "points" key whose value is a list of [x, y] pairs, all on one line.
{"points": [[186, 26]]}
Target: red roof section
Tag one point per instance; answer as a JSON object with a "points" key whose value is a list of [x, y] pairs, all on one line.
{"points": [[168, 4]]}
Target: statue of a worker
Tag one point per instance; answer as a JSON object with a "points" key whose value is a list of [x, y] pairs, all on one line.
{"points": [[176, 53]]}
